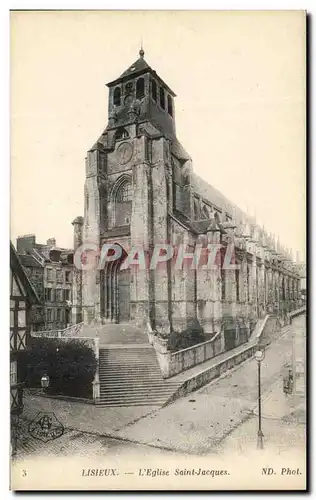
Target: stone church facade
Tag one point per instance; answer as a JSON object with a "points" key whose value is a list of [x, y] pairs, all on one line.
{"points": [[141, 192]]}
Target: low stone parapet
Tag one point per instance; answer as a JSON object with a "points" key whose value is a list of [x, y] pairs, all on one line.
{"points": [[172, 363], [198, 380]]}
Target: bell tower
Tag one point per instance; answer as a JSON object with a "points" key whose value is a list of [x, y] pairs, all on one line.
{"points": [[140, 95], [137, 173]]}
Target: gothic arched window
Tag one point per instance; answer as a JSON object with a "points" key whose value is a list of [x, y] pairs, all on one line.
{"points": [[154, 90], [140, 88], [117, 97], [123, 203], [170, 110], [162, 97], [125, 192]]}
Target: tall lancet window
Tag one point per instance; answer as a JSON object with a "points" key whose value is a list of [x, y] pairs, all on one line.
{"points": [[170, 110], [123, 204], [140, 88], [117, 97]]}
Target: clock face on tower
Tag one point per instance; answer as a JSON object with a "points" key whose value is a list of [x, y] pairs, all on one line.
{"points": [[124, 153]]}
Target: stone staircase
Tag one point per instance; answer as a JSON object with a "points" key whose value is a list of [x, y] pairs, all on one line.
{"points": [[130, 376]]}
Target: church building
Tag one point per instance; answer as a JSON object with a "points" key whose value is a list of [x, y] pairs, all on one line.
{"points": [[141, 192]]}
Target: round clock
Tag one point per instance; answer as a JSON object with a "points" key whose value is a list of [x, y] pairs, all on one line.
{"points": [[124, 153]]}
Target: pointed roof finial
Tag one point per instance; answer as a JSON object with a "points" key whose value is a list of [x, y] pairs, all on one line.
{"points": [[141, 52]]}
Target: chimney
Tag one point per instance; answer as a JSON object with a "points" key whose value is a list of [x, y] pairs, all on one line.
{"points": [[26, 243], [51, 242]]}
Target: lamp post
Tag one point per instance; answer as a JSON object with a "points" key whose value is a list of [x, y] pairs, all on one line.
{"points": [[259, 356], [45, 382]]}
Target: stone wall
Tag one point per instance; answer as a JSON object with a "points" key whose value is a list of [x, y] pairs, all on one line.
{"points": [[172, 363]]}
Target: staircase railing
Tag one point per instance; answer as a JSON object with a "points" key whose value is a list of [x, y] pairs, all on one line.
{"points": [[70, 331]]}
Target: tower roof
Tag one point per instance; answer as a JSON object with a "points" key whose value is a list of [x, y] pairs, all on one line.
{"points": [[139, 67]]}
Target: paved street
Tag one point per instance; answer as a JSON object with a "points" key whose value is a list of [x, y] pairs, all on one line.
{"points": [[218, 418], [199, 422]]}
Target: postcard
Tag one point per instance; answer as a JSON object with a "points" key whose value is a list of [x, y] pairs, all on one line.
{"points": [[157, 255]]}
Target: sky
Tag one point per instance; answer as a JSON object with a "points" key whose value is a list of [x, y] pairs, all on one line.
{"points": [[240, 107]]}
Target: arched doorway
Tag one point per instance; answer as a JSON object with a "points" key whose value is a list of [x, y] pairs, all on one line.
{"points": [[117, 291]]}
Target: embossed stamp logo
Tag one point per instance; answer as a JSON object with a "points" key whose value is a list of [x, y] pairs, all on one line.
{"points": [[46, 427]]}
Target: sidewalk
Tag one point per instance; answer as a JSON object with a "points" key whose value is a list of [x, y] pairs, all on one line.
{"points": [[283, 426]]}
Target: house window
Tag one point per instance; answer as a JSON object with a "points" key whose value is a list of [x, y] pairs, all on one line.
{"points": [[11, 318], [68, 276], [49, 315], [248, 282], [117, 97], [13, 373], [170, 110], [140, 88], [49, 274], [58, 317], [162, 97], [154, 90], [67, 294], [59, 295], [48, 294], [59, 276], [21, 318]]}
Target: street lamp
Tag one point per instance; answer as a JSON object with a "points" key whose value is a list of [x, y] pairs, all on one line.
{"points": [[259, 356], [45, 382]]}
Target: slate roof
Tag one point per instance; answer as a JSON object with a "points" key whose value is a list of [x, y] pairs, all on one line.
{"points": [[215, 197], [138, 65], [29, 261]]}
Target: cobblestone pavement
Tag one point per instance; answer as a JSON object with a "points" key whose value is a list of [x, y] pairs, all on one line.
{"points": [[83, 416], [80, 444]]}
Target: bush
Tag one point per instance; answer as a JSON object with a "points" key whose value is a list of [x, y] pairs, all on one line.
{"points": [[70, 365], [193, 335]]}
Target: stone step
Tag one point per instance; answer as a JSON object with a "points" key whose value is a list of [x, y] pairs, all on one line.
{"points": [[134, 396], [132, 377], [104, 404], [138, 386], [130, 372], [130, 381], [122, 383], [132, 399]]}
